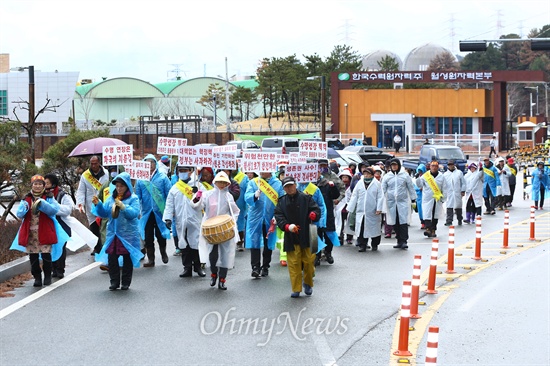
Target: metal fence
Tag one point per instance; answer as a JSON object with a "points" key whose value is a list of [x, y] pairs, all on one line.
{"points": [[469, 143]]}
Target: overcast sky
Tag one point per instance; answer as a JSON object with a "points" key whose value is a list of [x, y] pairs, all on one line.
{"points": [[152, 39]]}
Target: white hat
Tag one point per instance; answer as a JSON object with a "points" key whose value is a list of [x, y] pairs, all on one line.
{"points": [[222, 177]]}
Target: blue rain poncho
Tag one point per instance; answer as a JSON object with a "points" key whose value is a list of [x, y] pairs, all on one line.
{"points": [[125, 226], [152, 195], [241, 204]]}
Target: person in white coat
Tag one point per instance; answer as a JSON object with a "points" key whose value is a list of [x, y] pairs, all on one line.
{"points": [[399, 192], [504, 190], [457, 188], [434, 192], [216, 202], [474, 192], [89, 186], [367, 201], [183, 205]]}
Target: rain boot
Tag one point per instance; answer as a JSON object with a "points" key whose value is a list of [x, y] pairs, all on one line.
{"points": [[47, 268], [150, 257], [36, 271], [468, 216]]}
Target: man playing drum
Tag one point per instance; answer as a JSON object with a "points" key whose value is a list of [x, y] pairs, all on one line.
{"points": [[183, 205]]}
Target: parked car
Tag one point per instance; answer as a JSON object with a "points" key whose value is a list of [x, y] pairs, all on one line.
{"points": [[243, 145], [440, 153], [280, 145], [370, 154], [346, 158]]}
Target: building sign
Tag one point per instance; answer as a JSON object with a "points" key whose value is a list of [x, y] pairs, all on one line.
{"points": [[417, 76]]}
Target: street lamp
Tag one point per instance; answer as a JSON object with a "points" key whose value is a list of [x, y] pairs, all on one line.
{"points": [[323, 94], [30, 122]]}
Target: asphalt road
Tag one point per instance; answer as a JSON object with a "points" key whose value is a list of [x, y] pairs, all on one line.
{"points": [[492, 311]]}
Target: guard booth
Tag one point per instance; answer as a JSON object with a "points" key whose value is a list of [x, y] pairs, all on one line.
{"points": [[526, 134]]}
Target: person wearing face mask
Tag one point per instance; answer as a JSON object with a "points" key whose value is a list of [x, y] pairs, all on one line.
{"points": [[367, 201], [183, 206], [261, 197], [332, 196], [40, 234], [152, 195], [434, 193], [399, 192], [504, 190], [216, 202]]}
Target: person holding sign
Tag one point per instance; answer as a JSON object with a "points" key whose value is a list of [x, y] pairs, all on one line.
{"points": [[293, 213], [152, 194], [435, 190], [90, 184], [491, 182], [121, 208], [261, 196], [216, 203], [183, 205]]}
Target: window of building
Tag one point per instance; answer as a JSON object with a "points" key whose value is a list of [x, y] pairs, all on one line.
{"points": [[430, 125], [444, 125], [469, 125], [3, 102], [457, 125], [526, 135]]}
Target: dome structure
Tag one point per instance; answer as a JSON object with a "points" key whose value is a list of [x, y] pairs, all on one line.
{"points": [[420, 57], [370, 61]]}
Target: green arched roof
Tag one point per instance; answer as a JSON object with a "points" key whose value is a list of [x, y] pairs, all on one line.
{"points": [[120, 88]]}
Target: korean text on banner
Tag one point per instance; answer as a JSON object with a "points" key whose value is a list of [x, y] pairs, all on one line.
{"points": [[169, 145], [313, 149], [259, 162], [139, 170], [303, 173], [117, 155], [224, 157]]}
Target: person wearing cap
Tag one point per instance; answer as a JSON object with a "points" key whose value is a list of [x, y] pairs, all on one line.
{"points": [[333, 191], [474, 193], [491, 180], [293, 213], [183, 206], [512, 171], [122, 209], [66, 206], [164, 165], [206, 178], [261, 197], [504, 191], [540, 185], [367, 202], [91, 182], [152, 195], [398, 190], [216, 202], [456, 189], [434, 193], [40, 234]]}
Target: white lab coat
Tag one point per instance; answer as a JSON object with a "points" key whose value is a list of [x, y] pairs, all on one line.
{"points": [[365, 202], [188, 216], [456, 186], [504, 175], [85, 192], [474, 186], [428, 197], [398, 191]]}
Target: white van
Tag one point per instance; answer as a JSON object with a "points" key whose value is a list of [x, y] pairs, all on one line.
{"points": [[280, 145]]}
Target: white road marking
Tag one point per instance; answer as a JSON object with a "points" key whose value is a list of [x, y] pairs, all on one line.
{"points": [[27, 300], [324, 351]]}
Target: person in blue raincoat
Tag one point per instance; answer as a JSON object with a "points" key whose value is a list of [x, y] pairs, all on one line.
{"points": [[152, 196], [40, 234], [242, 180], [312, 190], [261, 197], [122, 211], [420, 169], [540, 184], [491, 181]]}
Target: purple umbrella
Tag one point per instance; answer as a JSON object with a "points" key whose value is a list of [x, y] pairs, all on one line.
{"points": [[94, 146]]}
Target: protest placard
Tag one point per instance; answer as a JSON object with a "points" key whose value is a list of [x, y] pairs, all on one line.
{"points": [[296, 158], [303, 173], [224, 157], [169, 145], [117, 155], [313, 149], [259, 162], [139, 170]]}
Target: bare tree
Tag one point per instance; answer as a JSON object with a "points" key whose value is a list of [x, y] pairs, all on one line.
{"points": [[31, 126], [156, 106], [86, 104], [178, 106]]}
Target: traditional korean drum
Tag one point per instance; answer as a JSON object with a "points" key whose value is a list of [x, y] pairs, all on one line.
{"points": [[218, 229]]}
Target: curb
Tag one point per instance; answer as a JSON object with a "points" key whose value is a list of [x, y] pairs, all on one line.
{"points": [[14, 268]]}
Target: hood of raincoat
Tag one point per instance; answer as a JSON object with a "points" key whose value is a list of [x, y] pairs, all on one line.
{"points": [[124, 177], [151, 157], [398, 162], [421, 168]]}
